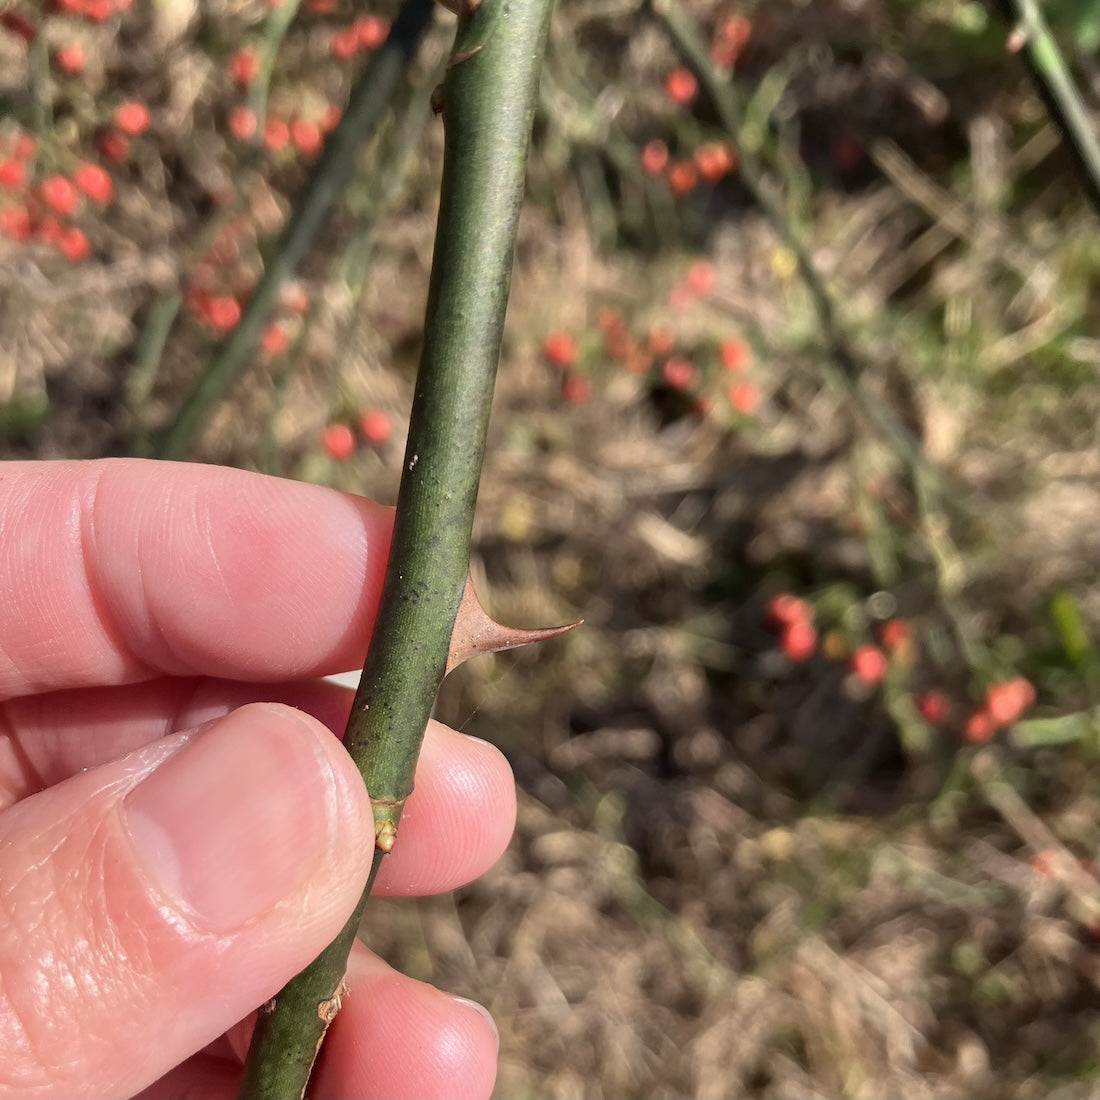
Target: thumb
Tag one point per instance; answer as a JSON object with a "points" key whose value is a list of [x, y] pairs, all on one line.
{"points": [[149, 904]]}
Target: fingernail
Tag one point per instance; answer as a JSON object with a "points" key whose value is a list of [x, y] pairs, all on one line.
{"points": [[483, 1012], [237, 819]]}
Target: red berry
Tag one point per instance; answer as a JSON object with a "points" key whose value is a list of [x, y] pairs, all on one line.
{"points": [[979, 728], [345, 43], [73, 244], [376, 426], [714, 160], [276, 134], [242, 123], [895, 635], [273, 339], [933, 706], [682, 177], [559, 348], [654, 157], [25, 146], [15, 222], [58, 193], [681, 86], [784, 608], [222, 311], [114, 145], [700, 277], [659, 340], [371, 31], [869, 664], [338, 442], [243, 66], [1005, 702], [13, 174], [734, 354], [744, 397], [798, 640], [576, 389], [132, 117], [306, 136], [94, 182], [70, 58], [678, 373], [293, 296]]}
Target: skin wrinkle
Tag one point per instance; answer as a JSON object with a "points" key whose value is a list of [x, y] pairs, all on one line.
{"points": [[92, 497]]}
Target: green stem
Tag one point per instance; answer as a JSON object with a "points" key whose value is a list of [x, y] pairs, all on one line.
{"points": [[1051, 75], [336, 167], [489, 98]]}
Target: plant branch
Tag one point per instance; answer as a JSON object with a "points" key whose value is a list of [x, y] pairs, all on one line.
{"points": [[1052, 77], [489, 97], [334, 170]]}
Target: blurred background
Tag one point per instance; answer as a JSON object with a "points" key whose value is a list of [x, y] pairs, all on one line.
{"points": [[797, 408]]}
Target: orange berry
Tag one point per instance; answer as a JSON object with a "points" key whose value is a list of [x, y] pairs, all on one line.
{"points": [[94, 182], [242, 123], [933, 706], [58, 193], [222, 311], [700, 277], [784, 608], [979, 728], [243, 66], [276, 134], [13, 174], [376, 426], [15, 222], [681, 86], [678, 373], [1006, 701], [273, 339], [559, 349], [73, 244], [293, 296], [338, 442], [114, 145], [714, 160], [798, 640], [895, 635], [371, 31], [654, 157], [682, 177], [305, 134], [869, 664], [70, 58], [132, 117], [734, 354], [743, 397], [576, 389], [659, 341]]}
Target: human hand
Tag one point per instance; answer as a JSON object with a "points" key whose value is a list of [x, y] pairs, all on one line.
{"points": [[176, 842]]}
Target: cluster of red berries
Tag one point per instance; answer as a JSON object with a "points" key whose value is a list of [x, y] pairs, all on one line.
{"points": [[47, 207], [93, 11], [656, 354], [302, 132], [338, 440], [43, 209], [1005, 701], [708, 163]]}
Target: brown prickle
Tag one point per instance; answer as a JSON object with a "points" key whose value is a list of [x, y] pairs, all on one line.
{"points": [[475, 632]]}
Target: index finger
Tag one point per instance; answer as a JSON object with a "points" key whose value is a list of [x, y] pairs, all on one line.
{"points": [[118, 570]]}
